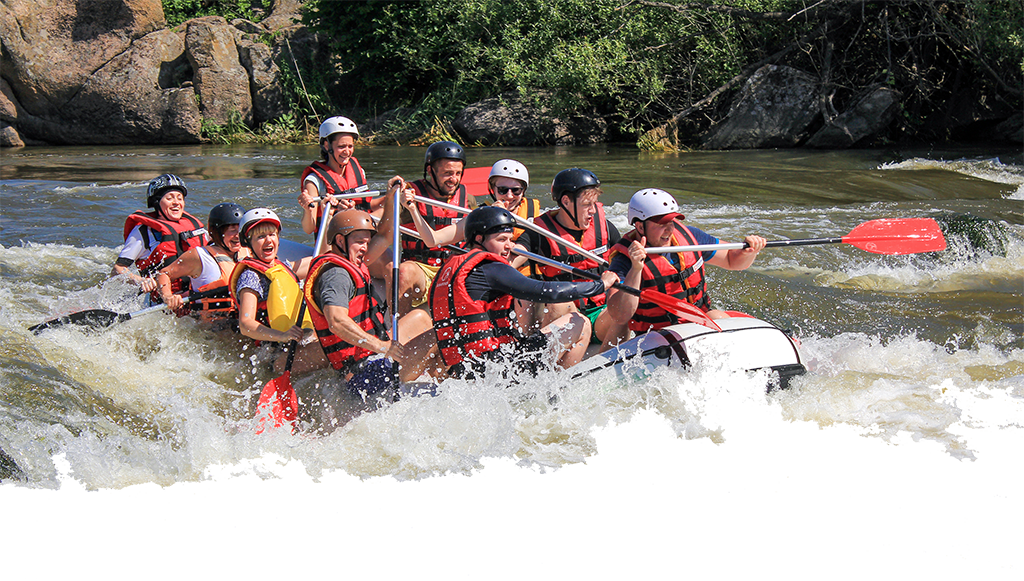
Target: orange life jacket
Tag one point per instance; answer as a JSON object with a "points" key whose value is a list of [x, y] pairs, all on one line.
{"points": [[467, 328], [216, 308], [595, 239], [336, 183], [363, 308], [415, 249], [659, 273]]}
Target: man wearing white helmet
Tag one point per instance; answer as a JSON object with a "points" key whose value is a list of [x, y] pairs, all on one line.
{"points": [[337, 171], [655, 217]]}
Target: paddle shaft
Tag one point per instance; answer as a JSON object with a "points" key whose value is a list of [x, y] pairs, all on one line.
{"points": [[577, 271], [740, 245], [883, 236], [350, 195], [524, 223]]}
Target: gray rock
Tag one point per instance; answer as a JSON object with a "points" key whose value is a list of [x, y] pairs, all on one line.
{"points": [[509, 120], [268, 96], [125, 102], [9, 136], [220, 80], [283, 14], [868, 116], [51, 47], [247, 26], [773, 109], [1012, 129]]}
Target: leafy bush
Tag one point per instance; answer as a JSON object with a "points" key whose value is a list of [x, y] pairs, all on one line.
{"points": [[178, 11]]}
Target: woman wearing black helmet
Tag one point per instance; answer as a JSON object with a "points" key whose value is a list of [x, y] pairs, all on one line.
{"points": [[208, 267], [154, 239], [472, 302]]}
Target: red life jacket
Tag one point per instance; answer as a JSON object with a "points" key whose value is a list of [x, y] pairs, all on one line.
{"points": [[363, 308], [175, 238], [659, 273], [262, 315], [215, 308], [595, 239], [414, 249], [336, 183], [467, 328]]}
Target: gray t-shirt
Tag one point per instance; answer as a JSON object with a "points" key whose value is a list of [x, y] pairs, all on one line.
{"points": [[334, 287]]}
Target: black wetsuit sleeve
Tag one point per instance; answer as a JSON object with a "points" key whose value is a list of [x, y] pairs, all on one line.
{"points": [[613, 234], [493, 279]]}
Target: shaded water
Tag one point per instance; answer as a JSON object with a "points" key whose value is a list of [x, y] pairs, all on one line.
{"points": [[894, 344]]}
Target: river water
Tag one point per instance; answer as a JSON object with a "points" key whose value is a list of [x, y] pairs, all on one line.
{"points": [[918, 352]]}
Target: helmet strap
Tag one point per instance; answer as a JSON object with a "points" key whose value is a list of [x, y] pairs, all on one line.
{"points": [[572, 215]]}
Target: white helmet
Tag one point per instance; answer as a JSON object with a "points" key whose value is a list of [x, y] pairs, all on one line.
{"points": [[338, 125], [651, 203], [254, 217], [510, 168]]}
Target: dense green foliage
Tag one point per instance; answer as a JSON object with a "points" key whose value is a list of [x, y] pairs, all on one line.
{"points": [[178, 11], [637, 63]]}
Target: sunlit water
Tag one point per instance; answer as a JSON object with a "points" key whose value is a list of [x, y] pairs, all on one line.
{"points": [[926, 346]]}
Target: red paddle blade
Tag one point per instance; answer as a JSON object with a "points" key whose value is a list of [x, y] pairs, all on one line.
{"points": [[679, 308], [278, 403], [903, 236], [475, 180]]}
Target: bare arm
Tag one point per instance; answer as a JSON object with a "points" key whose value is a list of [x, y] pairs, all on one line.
{"points": [[381, 241], [189, 264], [344, 327], [250, 327], [739, 259], [622, 305], [432, 238]]}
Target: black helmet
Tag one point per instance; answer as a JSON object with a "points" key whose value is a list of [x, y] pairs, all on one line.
{"points": [[159, 185], [572, 180], [444, 150], [488, 220], [224, 214]]}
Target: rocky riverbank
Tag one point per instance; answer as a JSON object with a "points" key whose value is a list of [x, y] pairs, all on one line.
{"points": [[113, 72]]}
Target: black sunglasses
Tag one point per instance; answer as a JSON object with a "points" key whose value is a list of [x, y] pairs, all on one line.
{"points": [[503, 190]]}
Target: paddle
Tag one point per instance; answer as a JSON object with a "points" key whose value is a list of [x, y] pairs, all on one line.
{"points": [[100, 318], [898, 236], [524, 223], [396, 262], [278, 401], [351, 195], [681, 309]]}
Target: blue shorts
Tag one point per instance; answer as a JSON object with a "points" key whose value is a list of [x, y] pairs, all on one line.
{"points": [[371, 377]]}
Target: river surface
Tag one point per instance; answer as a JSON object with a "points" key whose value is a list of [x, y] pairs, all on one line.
{"points": [[917, 350]]}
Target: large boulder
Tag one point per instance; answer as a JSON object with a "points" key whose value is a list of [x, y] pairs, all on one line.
{"points": [[773, 109], [94, 71], [221, 81], [268, 96], [51, 47], [510, 120], [865, 118]]}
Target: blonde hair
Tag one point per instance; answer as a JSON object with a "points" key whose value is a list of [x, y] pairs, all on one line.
{"points": [[261, 229]]}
